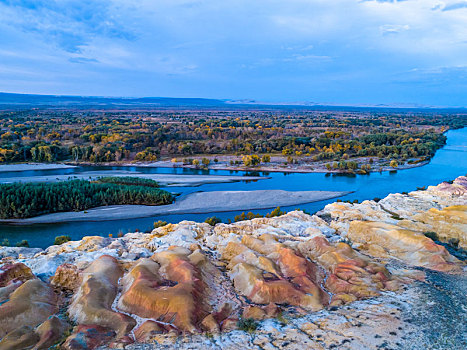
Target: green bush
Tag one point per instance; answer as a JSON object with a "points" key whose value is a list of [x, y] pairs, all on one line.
{"points": [[159, 223], [247, 325], [213, 220], [275, 212], [23, 243], [61, 239], [5, 243]]}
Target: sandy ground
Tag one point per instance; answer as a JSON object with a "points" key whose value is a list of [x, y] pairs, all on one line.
{"points": [[163, 179], [195, 203], [32, 166], [277, 164]]}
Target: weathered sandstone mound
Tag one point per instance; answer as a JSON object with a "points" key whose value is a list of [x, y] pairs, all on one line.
{"points": [[312, 281], [29, 305], [351, 276], [169, 290], [266, 271], [92, 303], [385, 240]]}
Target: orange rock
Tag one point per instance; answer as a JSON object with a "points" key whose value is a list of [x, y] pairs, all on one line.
{"points": [[147, 331], [386, 240], [176, 298], [450, 223], [50, 332], [271, 310], [67, 276], [92, 303], [282, 276], [210, 324], [29, 305], [229, 324], [351, 276], [254, 312]]}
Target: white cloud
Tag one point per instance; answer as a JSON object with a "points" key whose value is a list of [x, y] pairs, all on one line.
{"points": [[308, 43]]}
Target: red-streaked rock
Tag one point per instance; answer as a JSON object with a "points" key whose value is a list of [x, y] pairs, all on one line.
{"points": [[92, 303], [168, 289], [147, 331], [351, 275], [390, 241], [18, 271], [266, 271]]}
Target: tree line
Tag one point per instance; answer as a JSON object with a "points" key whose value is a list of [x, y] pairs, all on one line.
{"points": [[22, 200]]}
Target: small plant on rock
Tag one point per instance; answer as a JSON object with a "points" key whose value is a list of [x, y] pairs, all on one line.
{"points": [[61, 239], [159, 223], [247, 324], [213, 220], [23, 243]]}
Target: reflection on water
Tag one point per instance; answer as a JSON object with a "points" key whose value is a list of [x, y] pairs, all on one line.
{"points": [[448, 163]]}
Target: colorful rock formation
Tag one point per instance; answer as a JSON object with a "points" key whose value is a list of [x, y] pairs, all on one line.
{"points": [[92, 302], [291, 273]]}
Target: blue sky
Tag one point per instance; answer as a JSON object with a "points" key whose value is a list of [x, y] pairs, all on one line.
{"points": [[326, 51]]}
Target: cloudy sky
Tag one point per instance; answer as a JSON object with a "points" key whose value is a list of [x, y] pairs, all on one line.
{"points": [[327, 51]]}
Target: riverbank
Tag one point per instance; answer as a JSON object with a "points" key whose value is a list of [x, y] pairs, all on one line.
{"points": [[33, 167], [166, 180], [276, 167], [277, 163], [195, 203]]}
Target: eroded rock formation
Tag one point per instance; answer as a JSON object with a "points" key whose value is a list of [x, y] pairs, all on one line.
{"points": [[291, 273]]}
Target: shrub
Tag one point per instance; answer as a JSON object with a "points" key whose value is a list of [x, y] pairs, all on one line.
{"points": [[61, 239], [159, 223], [247, 324], [213, 220], [275, 212], [240, 217], [23, 243], [432, 235], [5, 243]]}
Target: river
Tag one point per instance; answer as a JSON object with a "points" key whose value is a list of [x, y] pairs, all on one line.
{"points": [[448, 163]]}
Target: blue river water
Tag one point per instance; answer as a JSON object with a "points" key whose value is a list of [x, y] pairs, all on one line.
{"points": [[448, 163]]}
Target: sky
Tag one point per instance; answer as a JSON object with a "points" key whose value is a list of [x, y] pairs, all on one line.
{"points": [[359, 52]]}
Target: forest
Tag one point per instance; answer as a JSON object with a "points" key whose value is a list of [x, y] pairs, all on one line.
{"points": [[22, 200], [128, 136]]}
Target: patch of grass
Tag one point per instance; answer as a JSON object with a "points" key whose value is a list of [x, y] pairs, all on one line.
{"points": [[247, 324]]}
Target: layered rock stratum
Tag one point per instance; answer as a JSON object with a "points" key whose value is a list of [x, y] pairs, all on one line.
{"points": [[377, 275]]}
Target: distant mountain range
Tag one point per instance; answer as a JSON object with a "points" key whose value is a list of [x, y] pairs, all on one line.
{"points": [[27, 101]]}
